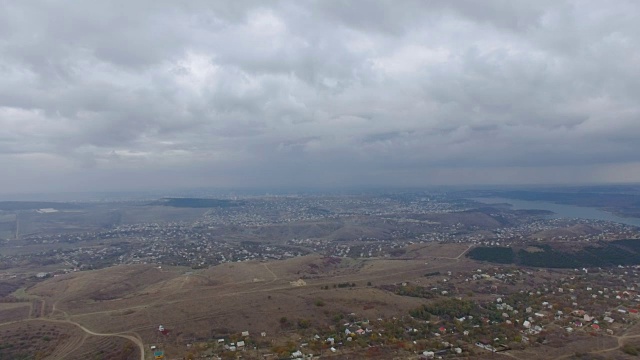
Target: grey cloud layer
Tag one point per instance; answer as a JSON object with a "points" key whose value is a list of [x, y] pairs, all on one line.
{"points": [[107, 95]]}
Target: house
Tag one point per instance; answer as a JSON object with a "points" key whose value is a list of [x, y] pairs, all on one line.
{"points": [[240, 344], [245, 333], [595, 326], [429, 354], [537, 329]]}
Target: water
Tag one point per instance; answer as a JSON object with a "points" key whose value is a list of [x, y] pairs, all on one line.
{"points": [[561, 210]]}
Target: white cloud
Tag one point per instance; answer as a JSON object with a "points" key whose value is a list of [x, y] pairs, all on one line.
{"points": [[313, 93]]}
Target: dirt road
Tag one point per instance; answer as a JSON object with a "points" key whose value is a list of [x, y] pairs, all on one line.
{"points": [[132, 338]]}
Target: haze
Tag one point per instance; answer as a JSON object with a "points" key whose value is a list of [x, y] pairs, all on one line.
{"points": [[123, 95]]}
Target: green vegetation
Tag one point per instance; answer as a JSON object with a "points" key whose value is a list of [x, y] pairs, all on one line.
{"points": [[285, 323], [345, 285], [21, 294], [409, 290], [447, 309], [434, 273], [304, 323], [498, 254], [604, 254], [548, 257], [630, 350]]}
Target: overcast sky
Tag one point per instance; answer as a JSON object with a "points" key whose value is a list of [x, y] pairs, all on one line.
{"points": [[125, 95]]}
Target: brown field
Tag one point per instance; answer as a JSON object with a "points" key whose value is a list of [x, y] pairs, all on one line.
{"points": [[232, 297], [104, 347], [51, 339], [39, 339], [14, 311], [118, 310]]}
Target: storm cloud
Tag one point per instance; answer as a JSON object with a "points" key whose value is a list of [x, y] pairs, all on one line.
{"points": [[122, 95]]}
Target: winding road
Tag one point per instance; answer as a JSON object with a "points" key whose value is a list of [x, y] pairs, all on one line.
{"points": [[132, 338]]}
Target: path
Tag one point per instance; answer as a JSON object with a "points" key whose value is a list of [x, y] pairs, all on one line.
{"points": [[275, 277], [619, 346], [464, 252], [132, 338]]}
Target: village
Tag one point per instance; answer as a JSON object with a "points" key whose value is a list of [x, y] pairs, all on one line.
{"points": [[465, 313], [223, 238]]}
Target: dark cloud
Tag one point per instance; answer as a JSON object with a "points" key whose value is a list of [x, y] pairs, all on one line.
{"points": [[132, 95]]}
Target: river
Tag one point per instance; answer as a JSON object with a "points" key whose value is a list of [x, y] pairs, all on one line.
{"points": [[561, 210]]}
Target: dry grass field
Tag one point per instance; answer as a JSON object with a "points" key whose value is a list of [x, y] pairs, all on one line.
{"points": [[103, 347], [126, 304], [47, 339], [14, 311], [232, 297], [38, 339]]}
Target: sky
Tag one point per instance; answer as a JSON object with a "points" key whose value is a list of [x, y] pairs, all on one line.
{"points": [[153, 94]]}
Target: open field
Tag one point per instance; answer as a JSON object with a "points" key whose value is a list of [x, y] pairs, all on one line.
{"points": [[38, 339], [232, 297], [14, 311]]}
